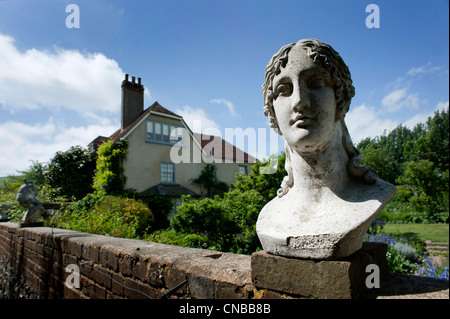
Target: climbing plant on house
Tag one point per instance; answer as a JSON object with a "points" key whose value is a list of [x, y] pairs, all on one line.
{"points": [[109, 176]]}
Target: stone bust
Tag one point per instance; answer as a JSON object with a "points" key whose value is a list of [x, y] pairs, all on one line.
{"points": [[327, 201]]}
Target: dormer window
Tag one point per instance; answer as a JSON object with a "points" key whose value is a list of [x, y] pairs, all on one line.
{"points": [[163, 133]]}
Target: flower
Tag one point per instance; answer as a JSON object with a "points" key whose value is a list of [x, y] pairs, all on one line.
{"points": [[429, 270], [380, 238]]}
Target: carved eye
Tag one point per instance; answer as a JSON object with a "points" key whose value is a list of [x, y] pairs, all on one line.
{"points": [[317, 82], [283, 89]]}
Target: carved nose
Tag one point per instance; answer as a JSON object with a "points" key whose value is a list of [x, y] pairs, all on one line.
{"points": [[301, 99]]}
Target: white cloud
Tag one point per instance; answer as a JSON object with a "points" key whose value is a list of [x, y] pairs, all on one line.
{"points": [[21, 143], [364, 121], [227, 103], [398, 99], [197, 120], [423, 117], [87, 83], [427, 68]]}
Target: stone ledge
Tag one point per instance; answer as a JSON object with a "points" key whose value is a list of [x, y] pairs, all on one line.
{"points": [[305, 278]]}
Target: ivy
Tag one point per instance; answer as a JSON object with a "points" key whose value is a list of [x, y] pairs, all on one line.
{"points": [[109, 176]]}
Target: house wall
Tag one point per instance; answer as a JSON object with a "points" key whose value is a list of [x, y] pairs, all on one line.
{"points": [[142, 166]]}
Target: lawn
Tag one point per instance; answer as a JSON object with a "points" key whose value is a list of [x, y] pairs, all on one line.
{"points": [[433, 232]]}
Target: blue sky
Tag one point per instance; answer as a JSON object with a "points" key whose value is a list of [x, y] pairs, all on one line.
{"points": [[205, 60]]}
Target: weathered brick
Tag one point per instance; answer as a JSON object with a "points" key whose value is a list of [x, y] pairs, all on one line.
{"points": [[102, 276], [69, 259], [94, 254], [201, 287], [126, 264], [73, 293], [117, 284], [141, 269], [173, 277], [137, 290], [113, 259], [75, 249], [225, 290]]}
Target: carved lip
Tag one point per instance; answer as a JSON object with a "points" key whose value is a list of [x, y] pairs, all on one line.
{"points": [[301, 120]]}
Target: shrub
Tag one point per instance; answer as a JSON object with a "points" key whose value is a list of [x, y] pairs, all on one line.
{"points": [[107, 215], [225, 224], [397, 263], [161, 207], [195, 241], [406, 251], [165, 236]]}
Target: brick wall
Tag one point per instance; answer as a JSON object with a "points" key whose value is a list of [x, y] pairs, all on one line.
{"points": [[33, 264]]}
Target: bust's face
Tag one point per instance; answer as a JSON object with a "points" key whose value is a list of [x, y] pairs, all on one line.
{"points": [[304, 103]]}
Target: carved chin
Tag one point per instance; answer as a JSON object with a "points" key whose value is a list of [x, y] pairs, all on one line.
{"points": [[308, 144]]}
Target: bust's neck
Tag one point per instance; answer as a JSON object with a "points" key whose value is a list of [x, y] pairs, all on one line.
{"points": [[323, 170]]}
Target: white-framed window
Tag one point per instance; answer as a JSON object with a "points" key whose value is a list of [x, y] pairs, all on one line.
{"points": [[242, 169], [167, 172], [163, 133]]}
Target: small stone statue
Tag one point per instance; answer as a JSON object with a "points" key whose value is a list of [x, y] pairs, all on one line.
{"points": [[327, 201], [4, 212], [27, 198]]}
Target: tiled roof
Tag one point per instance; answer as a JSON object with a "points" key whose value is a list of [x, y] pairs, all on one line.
{"points": [[167, 189], [223, 149], [156, 107], [99, 140]]}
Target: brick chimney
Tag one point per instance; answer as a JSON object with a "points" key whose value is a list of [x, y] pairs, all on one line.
{"points": [[132, 100]]}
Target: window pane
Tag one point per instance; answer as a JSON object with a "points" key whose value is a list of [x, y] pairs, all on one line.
{"points": [[158, 135], [242, 169], [150, 136], [166, 137], [167, 172], [180, 133], [173, 133], [176, 134], [149, 127]]}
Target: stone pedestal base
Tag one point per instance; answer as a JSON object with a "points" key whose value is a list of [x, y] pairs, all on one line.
{"points": [[27, 224], [3, 218], [330, 279]]}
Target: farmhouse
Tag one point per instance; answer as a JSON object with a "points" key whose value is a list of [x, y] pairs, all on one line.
{"points": [[164, 154]]}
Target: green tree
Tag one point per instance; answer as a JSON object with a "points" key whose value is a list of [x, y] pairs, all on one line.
{"points": [[109, 176], [266, 185], [36, 173], [208, 181], [70, 173]]}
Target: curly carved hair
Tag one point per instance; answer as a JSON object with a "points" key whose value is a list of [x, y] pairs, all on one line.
{"points": [[324, 55]]}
